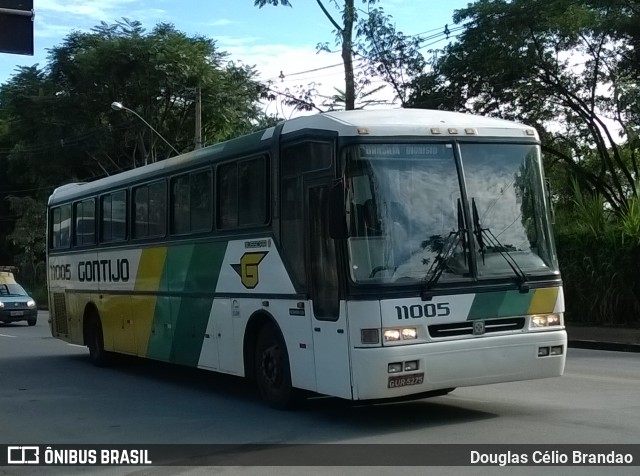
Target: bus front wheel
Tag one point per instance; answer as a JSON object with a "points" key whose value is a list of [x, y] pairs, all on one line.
{"points": [[272, 372]]}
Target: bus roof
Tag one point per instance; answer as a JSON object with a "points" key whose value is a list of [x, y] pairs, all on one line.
{"points": [[409, 122], [359, 123]]}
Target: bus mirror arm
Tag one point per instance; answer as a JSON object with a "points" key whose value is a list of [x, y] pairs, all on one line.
{"points": [[336, 210]]}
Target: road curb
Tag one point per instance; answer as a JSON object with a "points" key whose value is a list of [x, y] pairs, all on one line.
{"points": [[596, 345]]}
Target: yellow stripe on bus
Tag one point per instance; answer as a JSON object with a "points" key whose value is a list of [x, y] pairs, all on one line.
{"points": [[143, 307], [544, 301]]}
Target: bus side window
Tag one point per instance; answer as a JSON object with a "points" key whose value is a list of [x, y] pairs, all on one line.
{"points": [[150, 213], [113, 217], [227, 195], [60, 227], [243, 193], [191, 202], [85, 222]]}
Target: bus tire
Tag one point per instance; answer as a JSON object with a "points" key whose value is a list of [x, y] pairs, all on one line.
{"points": [[95, 342], [272, 371]]}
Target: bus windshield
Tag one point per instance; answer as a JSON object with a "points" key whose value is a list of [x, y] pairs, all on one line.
{"points": [[407, 220]]}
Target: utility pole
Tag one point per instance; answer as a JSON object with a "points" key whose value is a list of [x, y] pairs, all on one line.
{"points": [[198, 137]]}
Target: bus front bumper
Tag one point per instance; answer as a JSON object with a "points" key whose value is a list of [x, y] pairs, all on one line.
{"points": [[458, 363]]}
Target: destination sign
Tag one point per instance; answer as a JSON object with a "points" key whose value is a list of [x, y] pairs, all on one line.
{"points": [[426, 151]]}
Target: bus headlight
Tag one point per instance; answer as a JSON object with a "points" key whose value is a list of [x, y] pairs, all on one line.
{"points": [[405, 333], [545, 320], [409, 333], [391, 335]]}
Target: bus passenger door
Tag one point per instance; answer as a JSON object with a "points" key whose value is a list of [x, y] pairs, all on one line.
{"points": [[329, 320]]}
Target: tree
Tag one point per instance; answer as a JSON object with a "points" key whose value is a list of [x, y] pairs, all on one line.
{"points": [[62, 112], [344, 32], [28, 237], [560, 66], [56, 125], [389, 53]]}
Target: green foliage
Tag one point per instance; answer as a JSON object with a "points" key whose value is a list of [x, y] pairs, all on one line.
{"points": [[62, 112], [28, 237], [590, 213], [372, 36], [390, 54], [56, 125], [630, 223], [601, 283], [598, 252], [559, 66]]}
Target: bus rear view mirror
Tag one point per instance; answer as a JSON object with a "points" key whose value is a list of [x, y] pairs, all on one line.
{"points": [[336, 211]]}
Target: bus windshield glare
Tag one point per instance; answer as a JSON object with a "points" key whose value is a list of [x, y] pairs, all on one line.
{"points": [[407, 220]]}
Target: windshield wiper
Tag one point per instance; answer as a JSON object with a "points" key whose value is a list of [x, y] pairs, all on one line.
{"points": [[445, 253], [485, 233]]}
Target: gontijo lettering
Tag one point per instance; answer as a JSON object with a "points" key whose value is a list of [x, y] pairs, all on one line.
{"points": [[105, 270]]}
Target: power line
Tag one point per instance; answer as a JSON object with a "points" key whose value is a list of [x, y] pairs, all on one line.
{"points": [[443, 31]]}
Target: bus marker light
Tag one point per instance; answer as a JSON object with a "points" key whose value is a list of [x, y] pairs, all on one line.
{"points": [[394, 368], [470, 131], [453, 130], [435, 130], [369, 336], [556, 350], [543, 351], [410, 365], [363, 130]]}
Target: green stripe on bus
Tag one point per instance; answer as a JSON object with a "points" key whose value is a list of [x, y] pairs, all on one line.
{"points": [[486, 305], [193, 315], [180, 322], [512, 303]]}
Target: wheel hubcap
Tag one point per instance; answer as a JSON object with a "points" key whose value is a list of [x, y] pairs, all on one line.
{"points": [[270, 366]]}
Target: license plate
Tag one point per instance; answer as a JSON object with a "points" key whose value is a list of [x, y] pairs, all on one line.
{"points": [[405, 380], [17, 313]]}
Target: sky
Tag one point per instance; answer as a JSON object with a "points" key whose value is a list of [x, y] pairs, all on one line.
{"points": [[273, 39]]}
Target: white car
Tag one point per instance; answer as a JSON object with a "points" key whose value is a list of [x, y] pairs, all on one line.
{"points": [[15, 303]]}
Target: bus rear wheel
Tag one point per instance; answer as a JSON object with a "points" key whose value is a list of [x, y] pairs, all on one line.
{"points": [[272, 371], [95, 342]]}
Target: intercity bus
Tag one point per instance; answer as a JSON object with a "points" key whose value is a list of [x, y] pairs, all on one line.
{"points": [[366, 255]]}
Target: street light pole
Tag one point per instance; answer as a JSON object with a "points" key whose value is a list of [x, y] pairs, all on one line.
{"points": [[117, 106], [198, 136]]}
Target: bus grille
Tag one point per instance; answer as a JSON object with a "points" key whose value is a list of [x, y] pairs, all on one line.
{"points": [[60, 313], [466, 328]]}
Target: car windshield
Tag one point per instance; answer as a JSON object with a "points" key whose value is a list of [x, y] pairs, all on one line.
{"points": [[407, 220], [12, 290]]}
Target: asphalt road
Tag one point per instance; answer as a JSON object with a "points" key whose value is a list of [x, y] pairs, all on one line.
{"points": [[50, 394]]}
